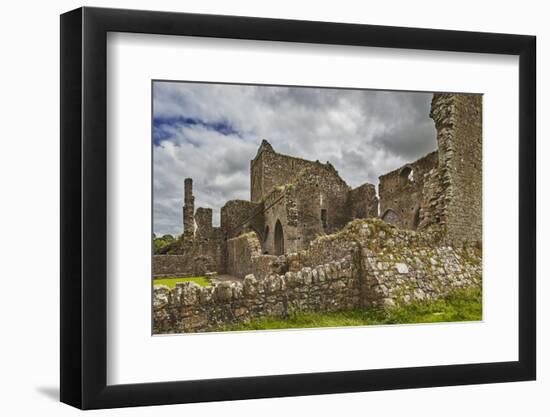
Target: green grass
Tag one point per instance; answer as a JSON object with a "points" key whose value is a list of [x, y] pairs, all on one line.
{"points": [[461, 305], [172, 281]]}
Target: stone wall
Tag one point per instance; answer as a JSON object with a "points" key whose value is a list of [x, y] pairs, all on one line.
{"points": [[280, 221], [191, 308], [316, 203], [432, 204], [241, 216], [377, 266], [270, 169], [295, 201], [322, 202], [458, 121], [401, 192], [203, 219], [244, 257], [405, 266], [179, 265], [363, 202], [196, 255]]}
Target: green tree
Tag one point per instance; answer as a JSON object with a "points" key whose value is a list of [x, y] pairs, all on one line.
{"points": [[161, 242]]}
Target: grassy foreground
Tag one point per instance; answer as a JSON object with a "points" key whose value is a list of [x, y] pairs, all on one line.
{"points": [[461, 305], [172, 281]]}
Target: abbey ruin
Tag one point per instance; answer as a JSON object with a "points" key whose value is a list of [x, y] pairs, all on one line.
{"points": [[307, 240]]}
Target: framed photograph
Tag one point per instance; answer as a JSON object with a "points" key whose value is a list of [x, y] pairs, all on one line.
{"points": [[259, 207]]}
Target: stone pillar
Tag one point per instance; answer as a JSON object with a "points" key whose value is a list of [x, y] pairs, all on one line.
{"points": [[188, 208]]}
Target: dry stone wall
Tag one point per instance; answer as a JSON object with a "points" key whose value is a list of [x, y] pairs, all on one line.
{"points": [[191, 308], [377, 265]]}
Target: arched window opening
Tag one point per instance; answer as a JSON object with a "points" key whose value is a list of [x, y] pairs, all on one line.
{"points": [[406, 175], [279, 239]]}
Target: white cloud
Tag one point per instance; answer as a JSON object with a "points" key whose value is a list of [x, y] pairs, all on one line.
{"points": [[210, 132]]}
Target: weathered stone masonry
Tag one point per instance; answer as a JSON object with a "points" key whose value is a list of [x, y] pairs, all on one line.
{"points": [[458, 122], [382, 266], [293, 202], [188, 208], [444, 188], [298, 248], [401, 192]]}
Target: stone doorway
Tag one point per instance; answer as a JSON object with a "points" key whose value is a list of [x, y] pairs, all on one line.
{"points": [[279, 239]]}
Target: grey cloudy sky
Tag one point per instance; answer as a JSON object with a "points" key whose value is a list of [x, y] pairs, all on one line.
{"points": [[210, 132]]}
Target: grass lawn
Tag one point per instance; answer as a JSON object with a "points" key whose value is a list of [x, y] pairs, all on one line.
{"points": [[172, 281], [461, 305]]}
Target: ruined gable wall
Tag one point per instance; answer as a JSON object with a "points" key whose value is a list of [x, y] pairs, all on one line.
{"points": [[256, 178], [363, 202], [402, 195], [458, 120], [270, 169]]}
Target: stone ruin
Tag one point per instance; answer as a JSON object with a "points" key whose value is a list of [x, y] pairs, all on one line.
{"points": [[309, 235]]}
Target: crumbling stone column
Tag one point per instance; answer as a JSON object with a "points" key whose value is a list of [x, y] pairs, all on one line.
{"points": [[188, 208]]}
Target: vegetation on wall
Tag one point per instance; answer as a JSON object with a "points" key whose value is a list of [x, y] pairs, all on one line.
{"points": [[460, 305], [162, 242]]}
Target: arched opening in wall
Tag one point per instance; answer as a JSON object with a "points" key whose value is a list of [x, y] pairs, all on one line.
{"points": [[279, 239], [324, 221], [266, 236], [406, 175], [416, 218], [391, 217]]}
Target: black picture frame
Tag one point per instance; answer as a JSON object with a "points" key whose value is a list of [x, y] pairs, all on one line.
{"points": [[84, 207]]}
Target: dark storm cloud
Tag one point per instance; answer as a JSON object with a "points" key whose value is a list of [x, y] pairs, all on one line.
{"points": [[210, 132]]}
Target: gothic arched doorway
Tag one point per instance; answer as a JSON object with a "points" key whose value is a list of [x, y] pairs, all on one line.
{"points": [[279, 239]]}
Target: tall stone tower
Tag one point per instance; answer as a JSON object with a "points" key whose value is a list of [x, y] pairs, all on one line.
{"points": [[188, 208], [458, 121]]}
